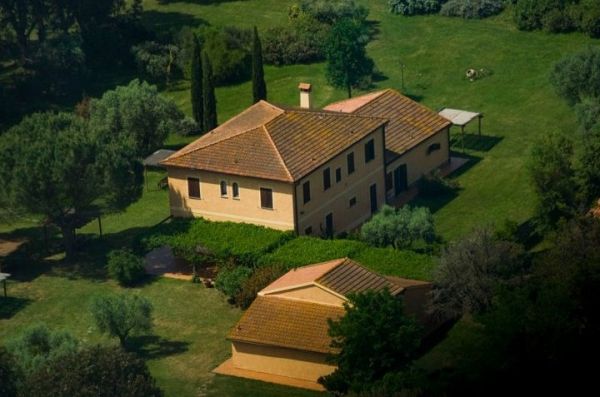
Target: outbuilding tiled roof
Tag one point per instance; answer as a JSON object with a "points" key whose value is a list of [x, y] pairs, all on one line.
{"points": [[269, 142], [287, 323], [410, 122]]}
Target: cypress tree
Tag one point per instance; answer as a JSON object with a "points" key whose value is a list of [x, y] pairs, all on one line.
{"points": [[259, 87], [196, 89], [208, 95]]}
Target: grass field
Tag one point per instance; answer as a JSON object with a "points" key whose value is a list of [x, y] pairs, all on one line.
{"points": [[519, 107]]}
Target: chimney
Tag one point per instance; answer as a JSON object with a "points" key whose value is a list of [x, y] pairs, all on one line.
{"points": [[305, 100]]}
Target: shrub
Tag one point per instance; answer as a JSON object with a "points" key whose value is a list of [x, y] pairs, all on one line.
{"points": [[399, 228], [9, 376], [399, 263], [261, 277], [557, 21], [308, 250], [38, 344], [589, 21], [229, 52], [415, 7], [94, 372], [433, 185], [577, 77], [230, 279], [299, 42], [329, 11], [529, 14], [125, 267], [155, 61], [470, 9], [121, 315]]}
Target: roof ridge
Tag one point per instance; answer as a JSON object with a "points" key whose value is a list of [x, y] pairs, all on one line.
{"points": [[342, 261], [379, 94], [279, 156], [332, 113]]}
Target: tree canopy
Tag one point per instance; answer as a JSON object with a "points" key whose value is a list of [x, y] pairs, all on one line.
{"points": [[347, 60], [57, 166], [577, 77], [136, 113], [399, 228], [374, 337]]}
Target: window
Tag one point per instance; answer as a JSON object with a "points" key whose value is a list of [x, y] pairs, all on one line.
{"points": [[369, 151], [352, 202], [194, 188], [306, 191], [338, 175], [266, 198], [350, 161], [326, 179], [433, 147], [235, 190], [223, 189], [389, 181], [308, 231]]}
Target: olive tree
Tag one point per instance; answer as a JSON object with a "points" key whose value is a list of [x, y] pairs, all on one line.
{"points": [[399, 228]]}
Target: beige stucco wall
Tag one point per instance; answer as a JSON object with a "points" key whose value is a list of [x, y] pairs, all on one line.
{"points": [[311, 293], [246, 209], [420, 163], [280, 361], [336, 199]]}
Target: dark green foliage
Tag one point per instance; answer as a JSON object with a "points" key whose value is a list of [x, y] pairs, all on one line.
{"points": [[347, 61], [196, 86], [588, 17], [553, 180], [138, 113], [415, 7], [37, 345], [9, 376], [577, 77], [588, 170], [399, 228], [155, 61], [243, 242], [125, 267], [56, 166], [229, 51], [94, 372], [470, 9], [373, 338], [331, 11], [471, 270], [434, 185], [120, 315], [209, 108], [558, 15], [259, 87], [301, 41], [230, 280], [260, 278]]}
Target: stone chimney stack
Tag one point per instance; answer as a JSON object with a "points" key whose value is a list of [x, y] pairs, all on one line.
{"points": [[305, 99]]}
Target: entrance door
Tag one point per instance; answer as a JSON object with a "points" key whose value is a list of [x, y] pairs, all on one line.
{"points": [[400, 179], [329, 224], [373, 195]]}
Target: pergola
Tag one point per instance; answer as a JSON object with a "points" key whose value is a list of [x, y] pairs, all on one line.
{"points": [[153, 161], [461, 118]]}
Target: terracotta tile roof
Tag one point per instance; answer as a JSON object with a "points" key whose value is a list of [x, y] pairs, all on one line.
{"points": [[286, 323], [410, 122], [302, 275], [350, 277], [269, 142]]}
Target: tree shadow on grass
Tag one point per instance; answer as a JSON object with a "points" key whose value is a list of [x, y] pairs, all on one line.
{"points": [[9, 306], [170, 22], [151, 347]]}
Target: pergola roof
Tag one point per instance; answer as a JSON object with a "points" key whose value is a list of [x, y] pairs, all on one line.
{"points": [[459, 117], [155, 158]]}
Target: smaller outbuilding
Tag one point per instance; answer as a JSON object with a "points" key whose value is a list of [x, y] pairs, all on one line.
{"points": [[283, 336]]}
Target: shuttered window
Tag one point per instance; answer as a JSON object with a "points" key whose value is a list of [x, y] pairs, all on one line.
{"points": [[338, 175], [369, 151], [306, 191], [193, 188], [326, 179], [350, 161], [266, 198], [223, 188], [235, 188]]}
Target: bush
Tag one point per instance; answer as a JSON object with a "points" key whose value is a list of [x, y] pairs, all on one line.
{"points": [[155, 61], [576, 77], [399, 228], [433, 185], [399, 263], [557, 21], [530, 14], [470, 9], [415, 7], [589, 21], [125, 267], [230, 279], [94, 372], [229, 52], [9, 377], [121, 315], [329, 11], [299, 42], [38, 344], [261, 277]]}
